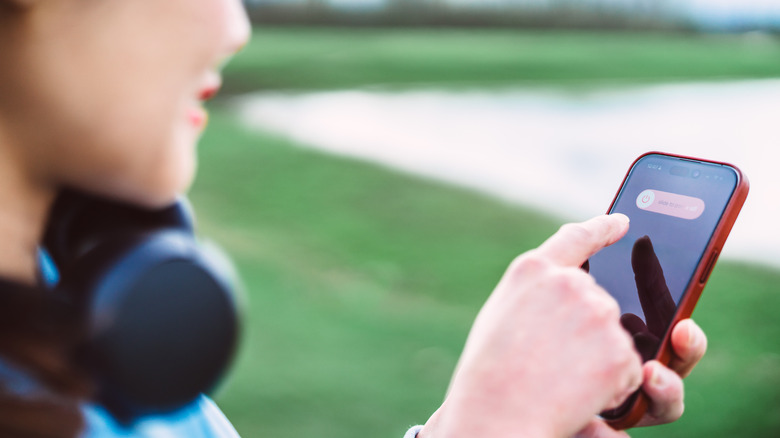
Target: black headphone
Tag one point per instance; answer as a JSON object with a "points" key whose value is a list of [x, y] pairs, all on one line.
{"points": [[158, 307]]}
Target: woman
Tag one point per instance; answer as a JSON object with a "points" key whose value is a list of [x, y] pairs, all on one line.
{"points": [[106, 97]]}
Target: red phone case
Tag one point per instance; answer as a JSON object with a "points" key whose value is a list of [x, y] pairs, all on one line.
{"points": [[701, 274]]}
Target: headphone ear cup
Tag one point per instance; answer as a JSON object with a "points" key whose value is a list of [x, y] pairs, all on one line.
{"points": [[162, 325], [158, 309]]}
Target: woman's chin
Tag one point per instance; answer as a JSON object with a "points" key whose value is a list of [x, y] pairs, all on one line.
{"points": [[151, 191], [165, 194]]}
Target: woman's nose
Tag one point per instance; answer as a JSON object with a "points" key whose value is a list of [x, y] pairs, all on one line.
{"points": [[238, 26]]}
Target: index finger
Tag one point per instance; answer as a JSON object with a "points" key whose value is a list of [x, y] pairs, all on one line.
{"points": [[574, 243]]}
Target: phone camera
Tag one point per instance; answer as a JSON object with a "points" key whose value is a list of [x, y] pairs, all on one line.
{"points": [[695, 173]]}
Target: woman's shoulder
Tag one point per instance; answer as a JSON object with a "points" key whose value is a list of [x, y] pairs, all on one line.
{"points": [[201, 419]]}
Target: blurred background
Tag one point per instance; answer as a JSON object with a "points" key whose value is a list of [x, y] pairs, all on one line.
{"points": [[373, 167]]}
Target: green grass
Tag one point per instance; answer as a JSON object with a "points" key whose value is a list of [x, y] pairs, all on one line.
{"points": [[305, 58], [363, 282]]}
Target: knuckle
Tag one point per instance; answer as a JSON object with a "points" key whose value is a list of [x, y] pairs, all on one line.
{"points": [[611, 310], [571, 282], [624, 354], [563, 281], [602, 307], [624, 342], [527, 263]]}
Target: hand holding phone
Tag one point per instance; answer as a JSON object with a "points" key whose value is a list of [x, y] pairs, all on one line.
{"points": [[546, 351], [681, 211]]}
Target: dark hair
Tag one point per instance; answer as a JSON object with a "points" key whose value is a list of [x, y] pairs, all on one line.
{"points": [[40, 388]]}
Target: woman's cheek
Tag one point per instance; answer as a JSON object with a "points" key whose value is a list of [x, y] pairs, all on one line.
{"points": [[167, 167], [147, 167]]}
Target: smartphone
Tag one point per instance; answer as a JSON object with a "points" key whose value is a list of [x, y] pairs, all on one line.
{"points": [[681, 212]]}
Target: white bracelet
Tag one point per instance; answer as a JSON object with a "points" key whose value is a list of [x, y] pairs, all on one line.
{"points": [[412, 433]]}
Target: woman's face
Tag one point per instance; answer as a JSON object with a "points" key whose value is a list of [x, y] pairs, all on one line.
{"points": [[108, 93]]}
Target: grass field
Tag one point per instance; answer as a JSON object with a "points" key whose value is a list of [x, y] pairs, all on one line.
{"points": [[301, 59], [363, 282]]}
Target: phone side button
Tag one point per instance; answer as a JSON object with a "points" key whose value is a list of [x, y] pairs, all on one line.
{"points": [[710, 264]]}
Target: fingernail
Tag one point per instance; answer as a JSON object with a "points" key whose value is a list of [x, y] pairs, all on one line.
{"points": [[622, 217], [658, 380], [694, 340]]}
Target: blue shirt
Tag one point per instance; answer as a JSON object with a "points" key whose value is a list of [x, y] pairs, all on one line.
{"points": [[201, 419]]}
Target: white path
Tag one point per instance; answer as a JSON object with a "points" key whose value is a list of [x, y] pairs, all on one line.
{"points": [[560, 151]]}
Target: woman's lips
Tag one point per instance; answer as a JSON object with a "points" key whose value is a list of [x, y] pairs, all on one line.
{"points": [[208, 93], [198, 117], [210, 86]]}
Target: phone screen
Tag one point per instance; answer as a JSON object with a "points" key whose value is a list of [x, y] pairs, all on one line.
{"points": [[674, 205]]}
